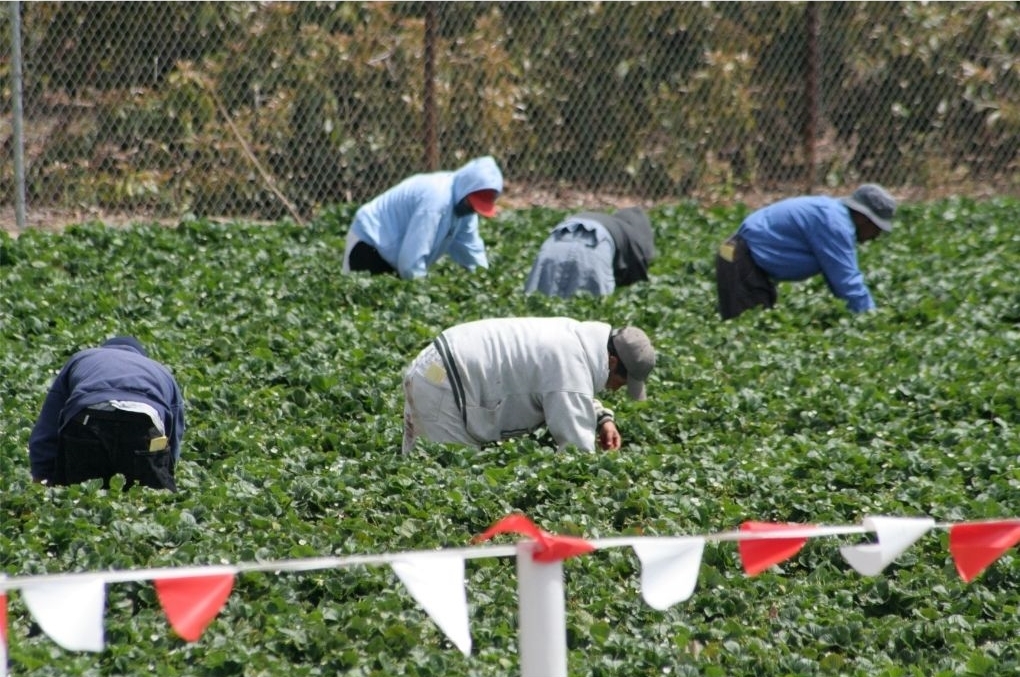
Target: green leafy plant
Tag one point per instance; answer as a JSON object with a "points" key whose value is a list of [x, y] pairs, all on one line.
{"points": [[292, 376]]}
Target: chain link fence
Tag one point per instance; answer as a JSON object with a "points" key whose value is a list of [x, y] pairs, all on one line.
{"points": [[277, 110]]}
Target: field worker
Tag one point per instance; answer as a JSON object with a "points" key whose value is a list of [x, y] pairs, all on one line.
{"points": [[111, 410], [797, 238], [495, 379], [594, 252], [406, 229]]}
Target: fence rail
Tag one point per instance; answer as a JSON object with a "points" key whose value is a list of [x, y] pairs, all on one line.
{"points": [[270, 110]]}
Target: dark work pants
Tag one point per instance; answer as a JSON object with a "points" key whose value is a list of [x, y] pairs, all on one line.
{"points": [[740, 282], [366, 257], [101, 444]]}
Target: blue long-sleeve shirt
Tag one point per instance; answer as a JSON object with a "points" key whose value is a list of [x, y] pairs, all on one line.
{"points": [[413, 224], [98, 375], [799, 237]]}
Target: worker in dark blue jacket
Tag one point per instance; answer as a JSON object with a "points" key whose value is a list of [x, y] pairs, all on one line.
{"points": [[111, 410]]}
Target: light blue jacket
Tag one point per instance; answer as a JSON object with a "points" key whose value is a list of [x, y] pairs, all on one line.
{"points": [[799, 237], [413, 223]]}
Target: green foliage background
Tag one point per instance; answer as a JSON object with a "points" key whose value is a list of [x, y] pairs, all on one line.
{"points": [[144, 106], [292, 377]]}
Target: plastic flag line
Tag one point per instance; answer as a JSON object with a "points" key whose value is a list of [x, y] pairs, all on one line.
{"points": [[192, 603], [976, 545], [3, 634], [895, 534], [49, 603], [192, 596]]}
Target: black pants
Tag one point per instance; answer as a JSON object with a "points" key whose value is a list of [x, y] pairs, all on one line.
{"points": [[364, 256], [740, 282], [101, 444]]}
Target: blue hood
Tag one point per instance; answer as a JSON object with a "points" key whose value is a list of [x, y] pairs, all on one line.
{"points": [[127, 342], [479, 174]]}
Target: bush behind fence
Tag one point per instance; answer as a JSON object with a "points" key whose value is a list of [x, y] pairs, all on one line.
{"points": [[270, 109]]}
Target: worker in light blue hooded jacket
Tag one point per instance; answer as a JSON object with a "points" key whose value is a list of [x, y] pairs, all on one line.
{"points": [[410, 226]]}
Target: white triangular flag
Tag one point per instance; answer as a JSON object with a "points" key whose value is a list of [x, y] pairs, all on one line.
{"points": [[70, 613], [437, 583], [669, 569], [894, 534]]}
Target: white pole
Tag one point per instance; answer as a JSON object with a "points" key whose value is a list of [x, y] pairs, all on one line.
{"points": [[542, 615]]}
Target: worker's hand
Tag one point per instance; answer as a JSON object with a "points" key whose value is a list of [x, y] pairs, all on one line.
{"points": [[609, 436]]}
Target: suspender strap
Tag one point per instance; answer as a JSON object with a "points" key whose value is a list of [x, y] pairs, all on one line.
{"points": [[456, 382]]}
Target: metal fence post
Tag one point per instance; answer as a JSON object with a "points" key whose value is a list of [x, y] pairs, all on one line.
{"points": [[810, 95], [429, 94], [17, 113]]}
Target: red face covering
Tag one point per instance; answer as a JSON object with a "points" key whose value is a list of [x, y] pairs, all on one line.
{"points": [[483, 202]]}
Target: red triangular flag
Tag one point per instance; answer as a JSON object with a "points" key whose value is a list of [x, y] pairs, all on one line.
{"points": [[550, 548], [559, 548], [3, 634], [192, 603], [511, 524], [976, 545], [757, 555]]}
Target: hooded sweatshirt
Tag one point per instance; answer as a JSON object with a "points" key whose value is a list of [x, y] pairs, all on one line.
{"points": [[118, 370], [515, 374], [414, 223]]}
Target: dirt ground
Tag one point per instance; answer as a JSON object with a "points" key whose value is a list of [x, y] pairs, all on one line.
{"points": [[54, 220], [514, 197], [57, 219]]}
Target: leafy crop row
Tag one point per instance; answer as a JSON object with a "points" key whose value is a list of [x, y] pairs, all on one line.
{"points": [[292, 376]]}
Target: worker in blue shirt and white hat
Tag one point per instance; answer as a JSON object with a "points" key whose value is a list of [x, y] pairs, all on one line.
{"points": [[797, 238], [410, 226]]}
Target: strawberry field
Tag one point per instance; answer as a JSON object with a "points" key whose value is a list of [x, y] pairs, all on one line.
{"points": [[292, 374]]}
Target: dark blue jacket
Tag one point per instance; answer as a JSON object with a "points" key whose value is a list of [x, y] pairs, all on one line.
{"points": [[117, 371]]}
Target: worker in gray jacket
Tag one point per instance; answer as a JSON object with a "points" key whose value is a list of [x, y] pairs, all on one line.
{"points": [[494, 379], [594, 252]]}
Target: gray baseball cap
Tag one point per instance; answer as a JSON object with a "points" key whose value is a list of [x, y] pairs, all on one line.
{"points": [[634, 349], [875, 202]]}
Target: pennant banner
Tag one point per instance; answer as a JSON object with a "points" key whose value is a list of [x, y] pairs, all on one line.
{"points": [[192, 603], [669, 569], [70, 607], [437, 583], [3, 634], [70, 612], [895, 534], [549, 548], [976, 545], [757, 555]]}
